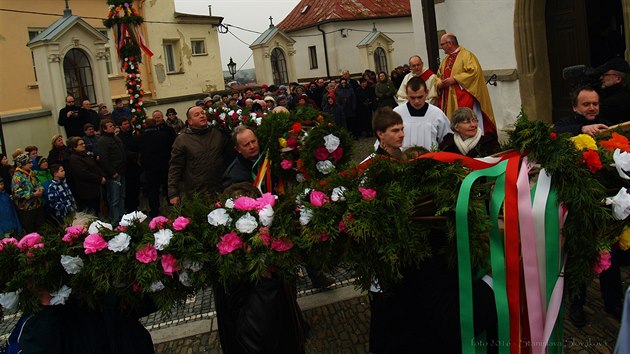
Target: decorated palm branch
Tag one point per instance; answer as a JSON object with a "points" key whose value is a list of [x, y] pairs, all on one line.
{"points": [[124, 21], [549, 208]]}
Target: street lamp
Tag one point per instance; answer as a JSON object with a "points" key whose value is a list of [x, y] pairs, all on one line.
{"points": [[232, 68]]}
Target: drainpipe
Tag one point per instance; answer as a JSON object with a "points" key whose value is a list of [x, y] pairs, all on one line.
{"points": [[325, 51]]}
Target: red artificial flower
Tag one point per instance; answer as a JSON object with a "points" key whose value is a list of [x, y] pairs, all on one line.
{"points": [[292, 142], [553, 135], [337, 154], [321, 153], [617, 141], [296, 128], [591, 158]]}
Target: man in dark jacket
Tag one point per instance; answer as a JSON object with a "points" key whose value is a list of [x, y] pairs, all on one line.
{"points": [[132, 172], [155, 152], [113, 160], [69, 119], [197, 158], [615, 96], [89, 115], [586, 119], [242, 169]]}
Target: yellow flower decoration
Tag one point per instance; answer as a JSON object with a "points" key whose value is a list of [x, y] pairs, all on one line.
{"points": [[624, 239], [283, 142], [584, 141]]}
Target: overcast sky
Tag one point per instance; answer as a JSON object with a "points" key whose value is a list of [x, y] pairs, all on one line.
{"points": [[250, 15]]}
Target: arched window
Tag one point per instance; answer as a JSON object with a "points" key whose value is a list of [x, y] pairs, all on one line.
{"points": [[279, 67], [78, 75], [380, 60]]}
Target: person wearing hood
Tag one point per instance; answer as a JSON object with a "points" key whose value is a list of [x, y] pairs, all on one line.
{"points": [[28, 194], [198, 158], [334, 110]]}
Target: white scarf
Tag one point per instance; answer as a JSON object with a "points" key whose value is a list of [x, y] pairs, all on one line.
{"points": [[465, 146]]}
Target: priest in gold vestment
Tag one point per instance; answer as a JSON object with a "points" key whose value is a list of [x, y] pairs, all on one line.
{"points": [[460, 83]]}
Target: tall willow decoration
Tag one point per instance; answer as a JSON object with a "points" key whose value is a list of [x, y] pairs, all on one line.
{"points": [[125, 22]]}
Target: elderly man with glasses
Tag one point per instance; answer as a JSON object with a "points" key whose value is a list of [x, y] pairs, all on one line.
{"points": [[460, 83], [417, 69], [614, 96]]}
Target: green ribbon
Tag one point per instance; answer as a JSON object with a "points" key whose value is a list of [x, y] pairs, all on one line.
{"points": [[463, 254], [552, 254]]}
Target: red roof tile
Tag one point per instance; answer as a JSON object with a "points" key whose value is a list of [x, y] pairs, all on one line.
{"points": [[313, 12]]}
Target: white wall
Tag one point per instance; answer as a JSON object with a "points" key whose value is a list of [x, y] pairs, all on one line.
{"points": [[343, 52]]}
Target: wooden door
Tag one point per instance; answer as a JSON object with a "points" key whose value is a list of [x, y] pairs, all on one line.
{"points": [[567, 45]]}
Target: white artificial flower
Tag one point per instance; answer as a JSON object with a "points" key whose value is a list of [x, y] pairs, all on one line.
{"points": [[620, 203], [128, 219], [193, 266], [219, 217], [222, 116], [622, 163], [258, 120], [246, 223], [300, 178], [9, 301], [156, 286], [265, 215], [325, 167], [331, 142], [184, 278], [162, 238], [72, 265], [337, 194], [229, 203], [305, 216], [98, 225], [119, 243], [60, 296]]}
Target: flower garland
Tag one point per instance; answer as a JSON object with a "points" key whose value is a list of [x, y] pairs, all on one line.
{"points": [[125, 21], [228, 118]]}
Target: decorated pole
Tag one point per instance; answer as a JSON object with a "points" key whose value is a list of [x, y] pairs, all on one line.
{"points": [[125, 22]]}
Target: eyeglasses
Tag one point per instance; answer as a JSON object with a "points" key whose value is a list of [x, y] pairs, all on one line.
{"points": [[469, 121]]}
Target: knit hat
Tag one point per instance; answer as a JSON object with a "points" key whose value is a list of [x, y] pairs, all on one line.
{"points": [[269, 98], [216, 98], [38, 161], [21, 160]]}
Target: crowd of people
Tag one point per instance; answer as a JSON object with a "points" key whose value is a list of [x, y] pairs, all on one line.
{"points": [[105, 165]]}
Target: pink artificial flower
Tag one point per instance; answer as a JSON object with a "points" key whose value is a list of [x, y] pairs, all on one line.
{"points": [[337, 154], [32, 240], [321, 153], [158, 222], [217, 204], [292, 142], [603, 262], [324, 236], [266, 199], [7, 241], [72, 233], [135, 287], [147, 254], [244, 203], [286, 164], [342, 227], [229, 243], [121, 228], [318, 198], [263, 234], [180, 223], [94, 243], [282, 244], [367, 193], [170, 264]]}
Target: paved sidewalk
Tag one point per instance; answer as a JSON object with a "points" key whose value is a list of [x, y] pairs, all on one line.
{"points": [[343, 327]]}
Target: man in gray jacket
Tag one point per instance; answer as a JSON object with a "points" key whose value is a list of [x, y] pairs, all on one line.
{"points": [[198, 158]]}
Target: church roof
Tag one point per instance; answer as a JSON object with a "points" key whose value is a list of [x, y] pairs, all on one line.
{"points": [[60, 26], [310, 13]]}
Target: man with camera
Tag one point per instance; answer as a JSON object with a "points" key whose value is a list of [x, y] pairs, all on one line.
{"points": [[70, 119]]}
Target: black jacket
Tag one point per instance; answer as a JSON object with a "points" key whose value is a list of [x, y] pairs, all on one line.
{"points": [[73, 124], [112, 152], [240, 170], [575, 123], [615, 104]]}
